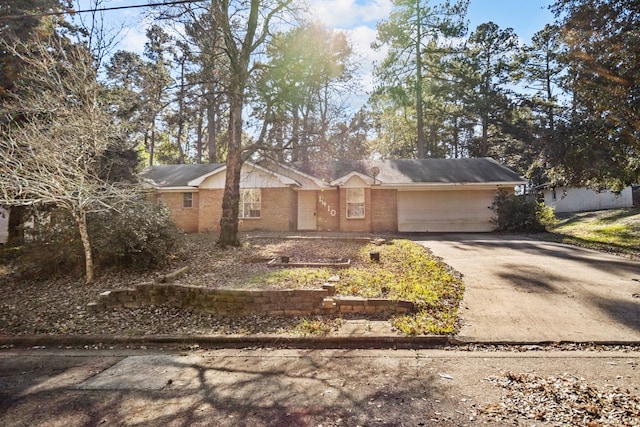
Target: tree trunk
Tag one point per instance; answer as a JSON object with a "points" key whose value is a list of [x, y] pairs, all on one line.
{"points": [[181, 157], [15, 230], [212, 125], [152, 143], [231, 198], [239, 58], [421, 142], [295, 136], [484, 144], [86, 244], [199, 137], [304, 140]]}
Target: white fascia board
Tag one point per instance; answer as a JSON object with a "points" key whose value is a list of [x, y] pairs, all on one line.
{"points": [[343, 179], [177, 189], [320, 183], [196, 182], [454, 185], [284, 179], [149, 183]]}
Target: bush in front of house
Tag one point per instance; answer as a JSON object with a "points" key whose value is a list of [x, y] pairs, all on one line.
{"points": [[521, 214], [51, 245], [139, 236]]}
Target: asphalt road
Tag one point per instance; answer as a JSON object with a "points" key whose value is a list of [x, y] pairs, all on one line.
{"points": [[520, 289], [261, 387]]}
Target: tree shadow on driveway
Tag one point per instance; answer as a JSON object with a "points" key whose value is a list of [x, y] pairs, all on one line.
{"points": [[498, 242], [529, 279], [625, 312], [556, 291]]}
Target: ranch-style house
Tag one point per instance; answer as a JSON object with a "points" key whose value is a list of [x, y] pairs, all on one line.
{"points": [[429, 195]]}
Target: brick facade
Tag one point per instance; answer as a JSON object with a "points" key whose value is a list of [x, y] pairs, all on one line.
{"points": [[186, 219], [328, 209], [362, 225], [384, 210], [324, 194], [210, 210], [279, 211]]}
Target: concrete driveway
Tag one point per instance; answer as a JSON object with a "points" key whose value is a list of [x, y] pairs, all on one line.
{"points": [[520, 289]]}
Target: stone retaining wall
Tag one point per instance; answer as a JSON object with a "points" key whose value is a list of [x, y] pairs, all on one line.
{"points": [[298, 302]]}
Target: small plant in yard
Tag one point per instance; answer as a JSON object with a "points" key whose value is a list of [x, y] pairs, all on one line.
{"points": [[406, 271], [318, 326]]}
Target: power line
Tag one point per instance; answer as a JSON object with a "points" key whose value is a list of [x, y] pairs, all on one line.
{"points": [[103, 9]]}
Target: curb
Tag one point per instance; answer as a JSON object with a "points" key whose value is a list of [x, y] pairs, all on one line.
{"points": [[230, 341], [293, 342]]}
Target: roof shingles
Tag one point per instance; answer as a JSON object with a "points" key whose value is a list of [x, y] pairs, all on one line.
{"points": [[390, 172], [437, 171], [178, 175]]}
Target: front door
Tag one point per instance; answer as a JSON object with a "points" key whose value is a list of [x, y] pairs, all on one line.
{"points": [[307, 218]]}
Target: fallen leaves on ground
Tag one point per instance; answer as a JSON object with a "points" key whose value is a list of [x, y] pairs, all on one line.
{"points": [[562, 400], [57, 306]]}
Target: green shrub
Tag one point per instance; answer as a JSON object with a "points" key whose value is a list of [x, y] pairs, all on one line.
{"points": [[141, 236], [521, 214]]}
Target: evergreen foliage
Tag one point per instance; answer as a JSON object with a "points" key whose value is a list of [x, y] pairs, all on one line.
{"points": [[521, 214], [141, 236]]}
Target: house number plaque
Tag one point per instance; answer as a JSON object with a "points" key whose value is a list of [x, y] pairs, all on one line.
{"points": [[324, 204]]}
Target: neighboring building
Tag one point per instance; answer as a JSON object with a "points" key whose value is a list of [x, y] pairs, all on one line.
{"points": [[571, 199], [430, 195]]}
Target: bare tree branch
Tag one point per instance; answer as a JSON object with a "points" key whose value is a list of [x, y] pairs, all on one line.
{"points": [[53, 155]]}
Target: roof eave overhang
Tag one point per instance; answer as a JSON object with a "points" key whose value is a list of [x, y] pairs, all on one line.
{"points": [[199, 180], [181, 189], [344, 179], [454, 185], [320, 183], [284, 179]]}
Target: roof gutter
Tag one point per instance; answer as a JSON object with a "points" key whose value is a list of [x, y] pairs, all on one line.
{"points": [[454, 185], [176, 189]]}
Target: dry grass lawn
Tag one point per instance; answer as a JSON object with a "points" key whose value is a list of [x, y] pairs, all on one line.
{"points": [[614, 231]]}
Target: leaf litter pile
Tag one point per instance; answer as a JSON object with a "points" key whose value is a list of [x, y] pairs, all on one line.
{"points": [[561, 401], [58, 304]]}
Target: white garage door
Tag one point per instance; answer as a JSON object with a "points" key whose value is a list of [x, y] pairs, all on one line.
{"points": [[445, 211]]}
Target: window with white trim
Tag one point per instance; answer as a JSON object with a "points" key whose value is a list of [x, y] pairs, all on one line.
{"points": [[250, 203], [187, 200], [355, 202]]}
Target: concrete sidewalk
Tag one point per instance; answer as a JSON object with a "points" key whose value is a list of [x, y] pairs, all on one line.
{"points": [[287, 387]]}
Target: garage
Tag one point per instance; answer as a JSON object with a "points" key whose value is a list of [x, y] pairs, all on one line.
{"points": [[445, 210]]}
